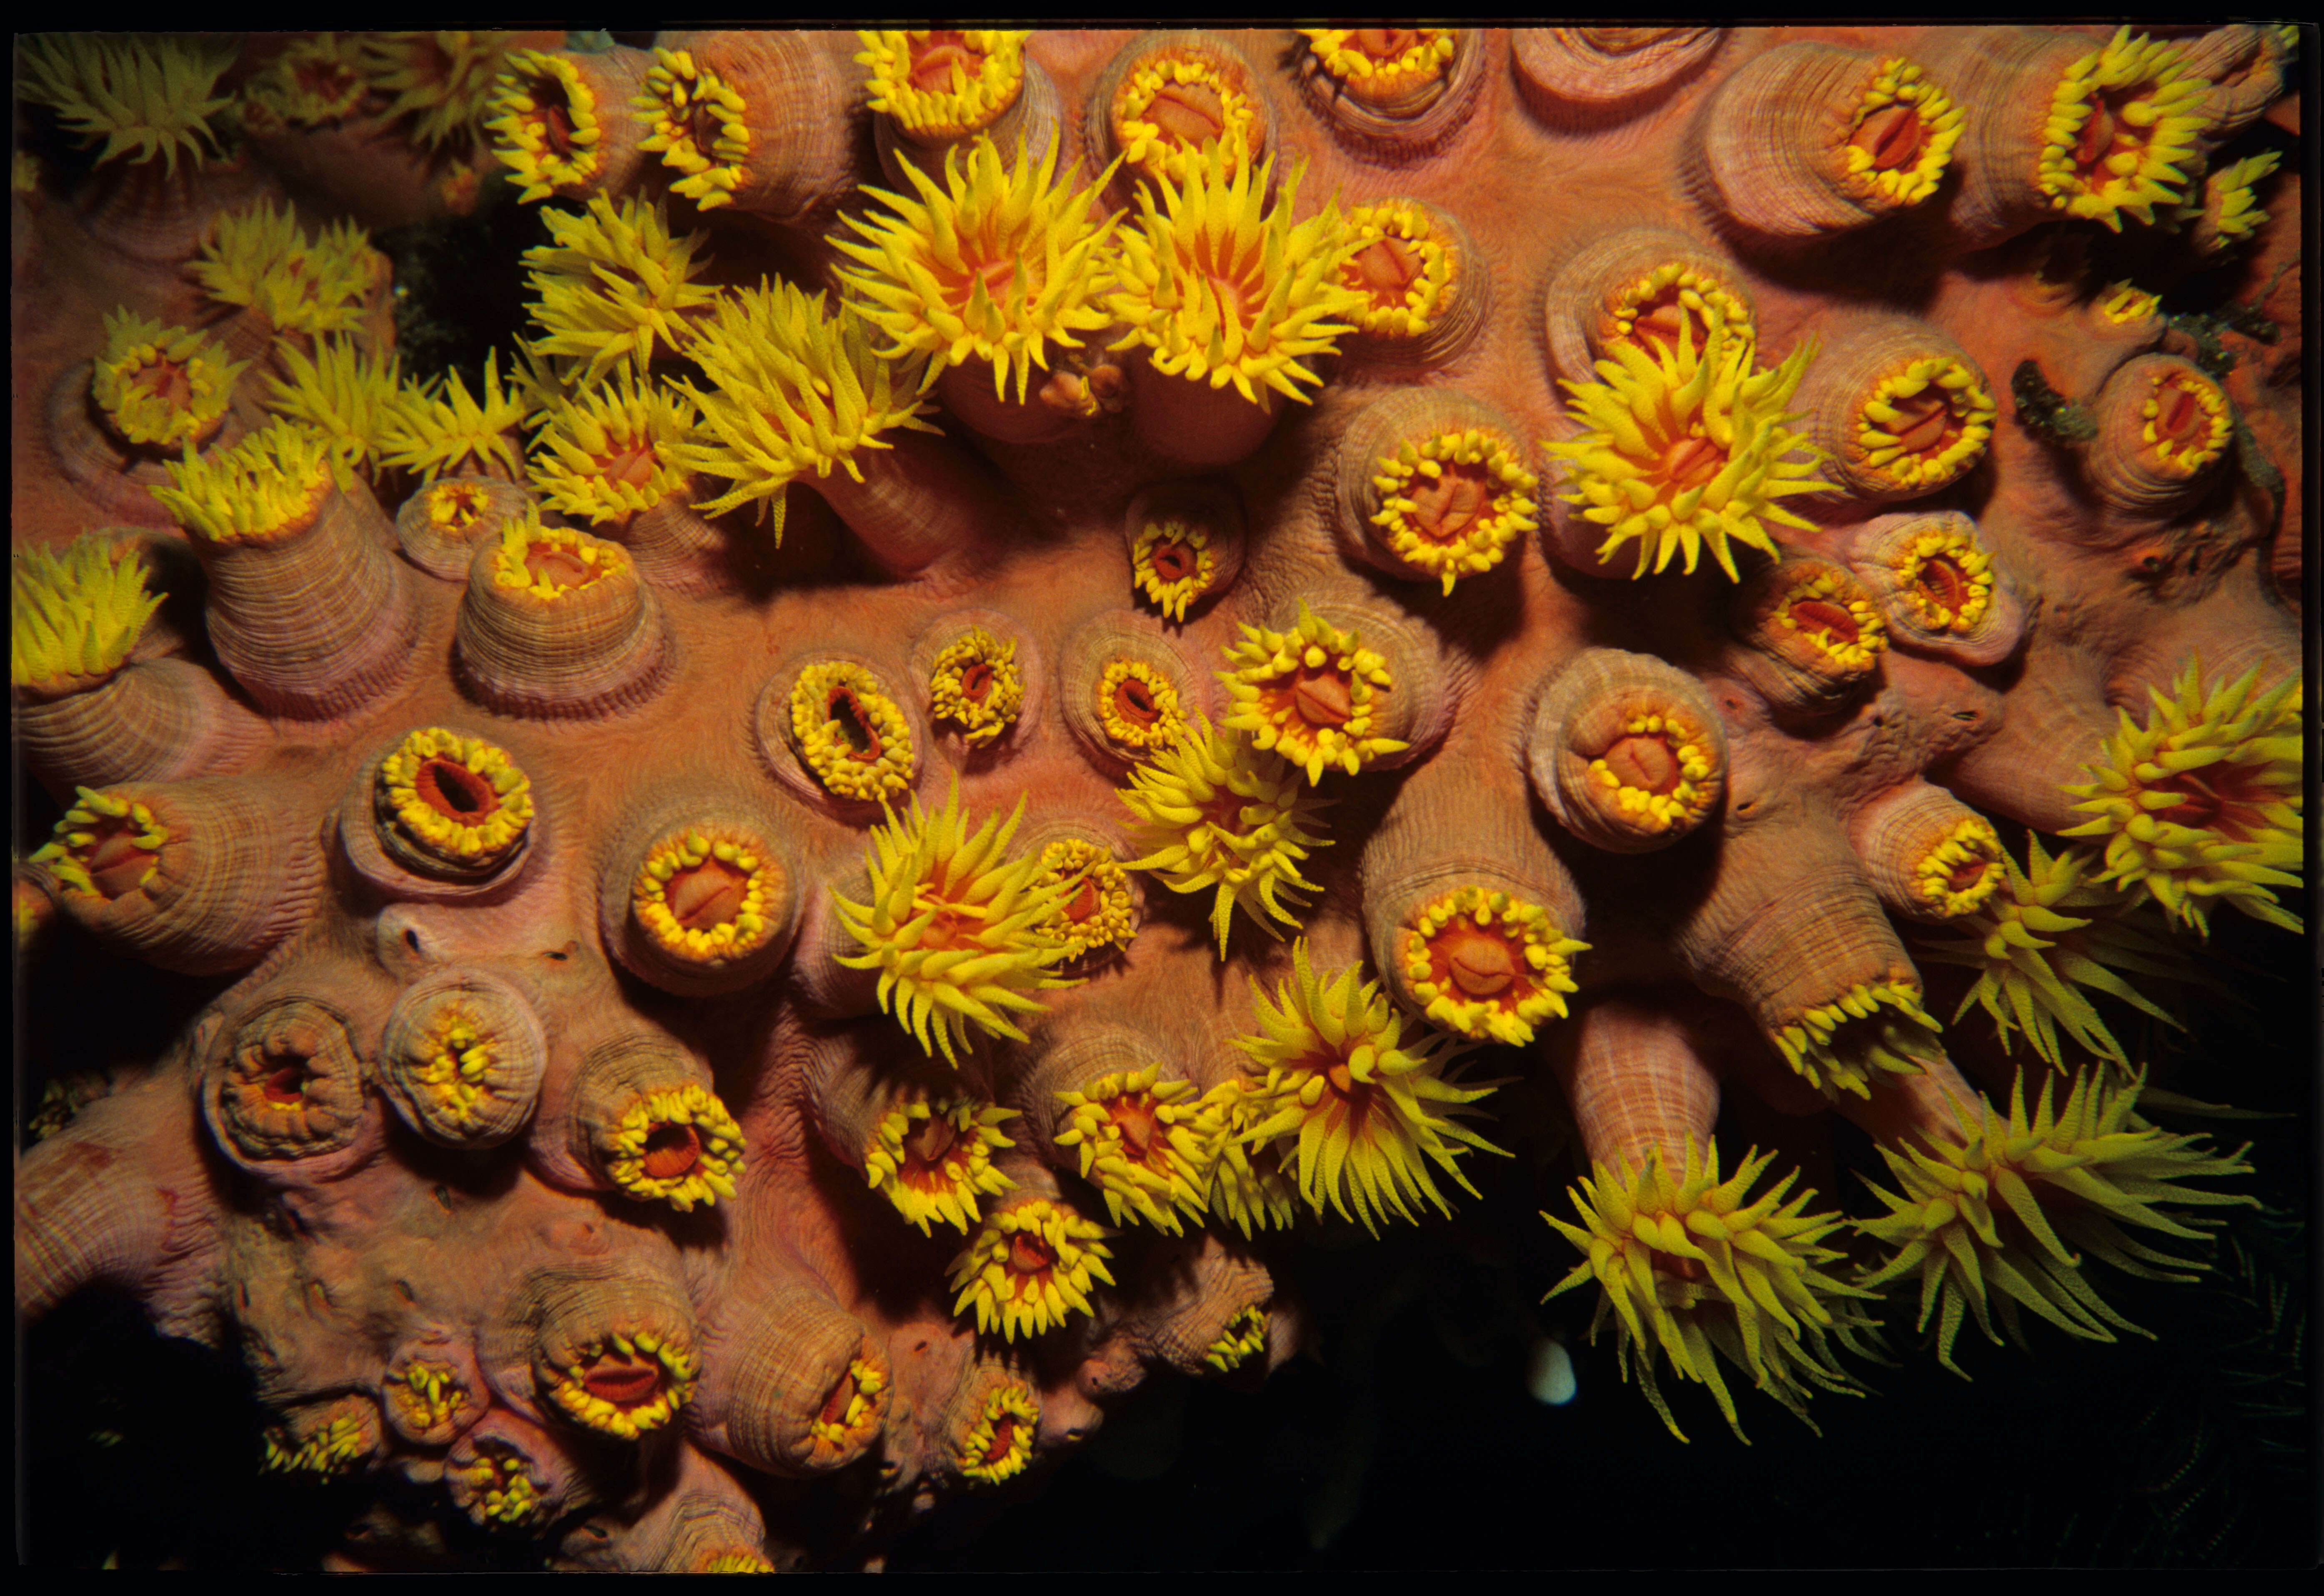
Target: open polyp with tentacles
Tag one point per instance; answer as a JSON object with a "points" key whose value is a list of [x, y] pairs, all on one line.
{"points": [[1054, 664]]}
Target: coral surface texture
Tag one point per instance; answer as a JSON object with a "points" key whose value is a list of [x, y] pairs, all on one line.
{"points": [[759, 771]]}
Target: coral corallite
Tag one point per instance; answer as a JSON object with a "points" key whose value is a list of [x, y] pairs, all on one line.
{"points": [[682, 649]]}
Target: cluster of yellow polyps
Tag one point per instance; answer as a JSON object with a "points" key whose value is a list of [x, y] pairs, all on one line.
{"points": [[932, 1157], [2121, 131], [459, 800], [1489, 965], [706, 1172]]}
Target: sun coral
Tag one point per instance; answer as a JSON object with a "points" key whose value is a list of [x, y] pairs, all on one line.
{"points": [[105, 845], [1401, 265], [1380, 63], [1139, 1146], [1488, 965], [627, 1384], [1029, 1266], [1355, 1115], [1925, 422], [2186, 421], [441, 430], [145, 97], [954, 927], [1451, 504], [932, 1157], [1989, 1210], [268, 484], [1180, 110], [2122, 132], [2203, 801], [1244, 1337], [944, 84], [999, 263], [1138, 707], [548, 127], [1874, 1027], [160, 387], [313, 83], [1945, 579], [791, 391], [707, 895], [2230, 212], [1824, 611], [1901, 135], [974, 684], [677, 1146], [2033, 946], [1249, 1188], [2126, 302], [353, 399], [258, 259], [1674, 301], [1694, 1270], [440, 81], [1213, 812], [1685, 448], [850, 733], [1172, 564], [694, 122], [1096, 911], [458, 802], [999, 1444], [73, 617], [1311, 695], [605, 455], [1221, 288], [615, 285]]}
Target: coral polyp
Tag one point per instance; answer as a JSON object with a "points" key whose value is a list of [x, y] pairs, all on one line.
{"points": [[682, 649]]}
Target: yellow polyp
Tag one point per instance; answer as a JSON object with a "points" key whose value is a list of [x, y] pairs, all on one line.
{"points": [[1141, 1145], [1213, 813], [1488, 965], [615, 285], [1692, 1269], [551, 563], [734, 1560], [1960, 600], [791, 391], [954, 927], [1185, 547], [458, 1054], [1095, 911], [1248, 1186], [440, 81], [1411, 484], [547, 131], [353, 399], [1160, 153], [257, 259], [984, 73], [96, 819], [2203, 804], [160, 387], [2067, 1180], [1379, 68], [269, 486], [718, 1147], [1432, 263], [2122, 132], [426, 1397], [1220, 287], [1355, 1116], [459, 800], [438, 430], [1029, 1266], [853, 736], [1873, 1028], [1684, 447], [1966, 430], [743, 926], [1824, 590], [1138, 707], [1244, 1337], [2184, 456], [143, 97], [74, 616], [866, 1380], [312, 83], [1288, 686], [2230, 212], [1970, 845], [999, 263], [604, 453], [975, 686], [2126, 302], [1704, 302], [999, 1444], [455, 506], [675, 1388], [932, 1157], [1898, 81], [334, 1449], [502, 1483], [695, 121], [2052, 931], [1688, 803]]}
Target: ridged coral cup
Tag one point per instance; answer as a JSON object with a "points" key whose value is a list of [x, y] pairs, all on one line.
{"points": [[1809, 141], [1171, 101], [1588, 77], [1393, 94], [934, 88], [638, 1116], [462, 1058], [1898, 409], [286, 1092], [750, 120], [1434, 487], [555, 624], [1627, 752], [2163, 428], [562, 122], [802, 1386], [1812, 636], [1935, 584], [699, 894], [1637, 285]]}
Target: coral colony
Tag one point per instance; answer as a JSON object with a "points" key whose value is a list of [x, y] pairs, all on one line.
{"points": [[1050, 660]]}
